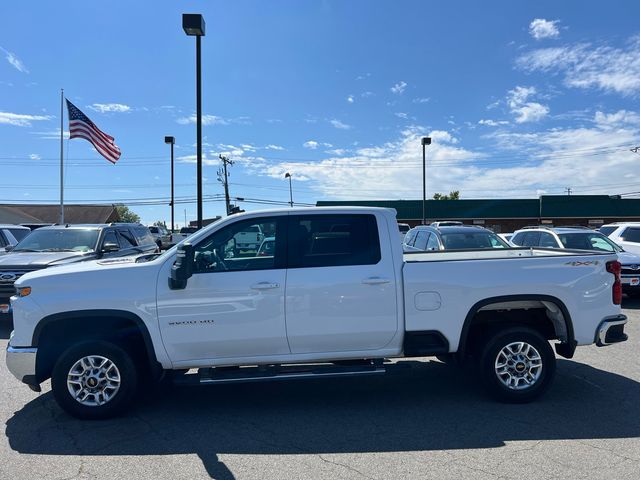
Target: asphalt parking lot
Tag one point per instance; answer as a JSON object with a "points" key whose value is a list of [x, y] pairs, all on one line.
{"points": [[429, 421]]}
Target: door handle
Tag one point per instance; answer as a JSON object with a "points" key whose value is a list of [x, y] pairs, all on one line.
{"points": [[264, 286], [375, 280]]}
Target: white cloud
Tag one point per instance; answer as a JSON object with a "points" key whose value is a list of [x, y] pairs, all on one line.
{"points": [[35, 156], [399, 88], [389, 170], [523, 110], [421, 100], [336, 151], [311, 144], [621, 118], [492, 123], [590, 66], [401, 115], [273, 147], [51, 134], [550, 160], [21, 120], [350, 99], [367, 94], [214, 120], [541, 28], [14, 61], [340, 125], [110, 107]]}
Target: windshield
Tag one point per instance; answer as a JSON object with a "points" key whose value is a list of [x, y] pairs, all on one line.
{"points": [[403, 228], [470, 240], [588, 241], [59, 240]]}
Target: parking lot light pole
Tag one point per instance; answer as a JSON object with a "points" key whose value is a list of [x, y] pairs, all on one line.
{"points": [[288, 175], [193, 25], [171, 141], [425, 141]]}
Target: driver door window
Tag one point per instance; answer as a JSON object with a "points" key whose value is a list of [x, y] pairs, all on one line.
{"points": [[221, 251]]}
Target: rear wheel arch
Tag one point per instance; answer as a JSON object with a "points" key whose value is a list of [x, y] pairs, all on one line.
{"points": [[557, 314], [55, 333]]}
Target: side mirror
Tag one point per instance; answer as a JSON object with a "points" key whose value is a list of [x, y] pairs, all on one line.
{"points": [[182, 269], [110, 247], [8, 248]]}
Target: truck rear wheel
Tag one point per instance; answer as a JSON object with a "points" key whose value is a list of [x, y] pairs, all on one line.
{"points": [[94, 380], [518, 365]]}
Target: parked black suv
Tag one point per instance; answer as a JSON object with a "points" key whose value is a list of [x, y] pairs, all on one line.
{"points": [[63, 244]]}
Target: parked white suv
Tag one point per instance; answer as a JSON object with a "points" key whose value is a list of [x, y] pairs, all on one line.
{"points": [[627, 235]]}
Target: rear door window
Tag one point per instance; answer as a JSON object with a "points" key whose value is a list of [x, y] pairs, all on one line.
{"points": [[432, 243], [19, 233], [127, 239], [530, 239], [422, 238], [547, 240], [631, 234], [607, 230], [333, 240]]}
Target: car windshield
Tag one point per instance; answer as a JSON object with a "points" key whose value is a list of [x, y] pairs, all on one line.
{"points": [[403, 228], [470, 240], [59, 240], [588, 241]]}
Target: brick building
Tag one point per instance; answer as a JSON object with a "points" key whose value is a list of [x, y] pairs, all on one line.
{"points": [[507, 215]]}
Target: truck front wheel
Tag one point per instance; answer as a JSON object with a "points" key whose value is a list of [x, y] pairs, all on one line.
{"points": [[518, 365], [94, 380]]}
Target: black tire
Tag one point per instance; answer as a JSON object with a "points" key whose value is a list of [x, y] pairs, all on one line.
{"points": [[119, 400], [494, 383]]}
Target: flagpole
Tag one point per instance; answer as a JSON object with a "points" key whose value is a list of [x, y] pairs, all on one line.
{"points": [[61, 156]]}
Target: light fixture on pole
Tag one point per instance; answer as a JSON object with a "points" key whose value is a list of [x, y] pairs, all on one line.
{"points": [[171, 141], [288, 175], [193, 25], [425, 141]]}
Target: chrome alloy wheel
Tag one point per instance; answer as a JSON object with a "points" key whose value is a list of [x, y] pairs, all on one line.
{"points": [[518, 366], [93, 380]]}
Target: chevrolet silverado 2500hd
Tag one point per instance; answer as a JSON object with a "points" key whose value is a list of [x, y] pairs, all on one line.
{"points": [[335, 297]]}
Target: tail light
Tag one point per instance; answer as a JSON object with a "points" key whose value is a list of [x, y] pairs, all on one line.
{"points": [[615, 267]]}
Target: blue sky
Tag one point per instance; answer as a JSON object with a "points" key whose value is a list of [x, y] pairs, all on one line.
{"points": [[521, 98]]}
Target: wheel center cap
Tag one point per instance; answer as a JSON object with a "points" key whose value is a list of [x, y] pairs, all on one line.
{"points": [[92, 382], [520, 366]]}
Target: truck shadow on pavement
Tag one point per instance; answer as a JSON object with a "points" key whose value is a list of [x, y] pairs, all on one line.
{"points": [[429, 406]]}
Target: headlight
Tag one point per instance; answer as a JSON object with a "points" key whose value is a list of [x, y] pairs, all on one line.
{"points": [[23, 291]]}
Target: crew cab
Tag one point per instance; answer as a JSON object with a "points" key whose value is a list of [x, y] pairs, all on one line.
{"points": [[337, 297]]}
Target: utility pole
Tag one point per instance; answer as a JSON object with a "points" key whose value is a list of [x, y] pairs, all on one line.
{"points": [[568, 190], [223, 177]]}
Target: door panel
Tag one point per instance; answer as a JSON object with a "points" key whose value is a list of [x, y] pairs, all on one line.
{"points": [[233, 306], [339, 295]]}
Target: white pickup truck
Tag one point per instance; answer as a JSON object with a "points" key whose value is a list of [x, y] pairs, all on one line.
{"points": [[336, 297]]}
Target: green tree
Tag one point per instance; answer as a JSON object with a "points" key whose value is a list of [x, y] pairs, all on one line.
{"points": [[160, 223], [454, 195], [127, 216]]}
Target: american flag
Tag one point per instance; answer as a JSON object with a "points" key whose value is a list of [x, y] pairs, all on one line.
{"points": [[81, 127]]}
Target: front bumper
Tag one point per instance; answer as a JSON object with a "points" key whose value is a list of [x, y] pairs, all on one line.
{"points": [[611, 330], [21, 362]]}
